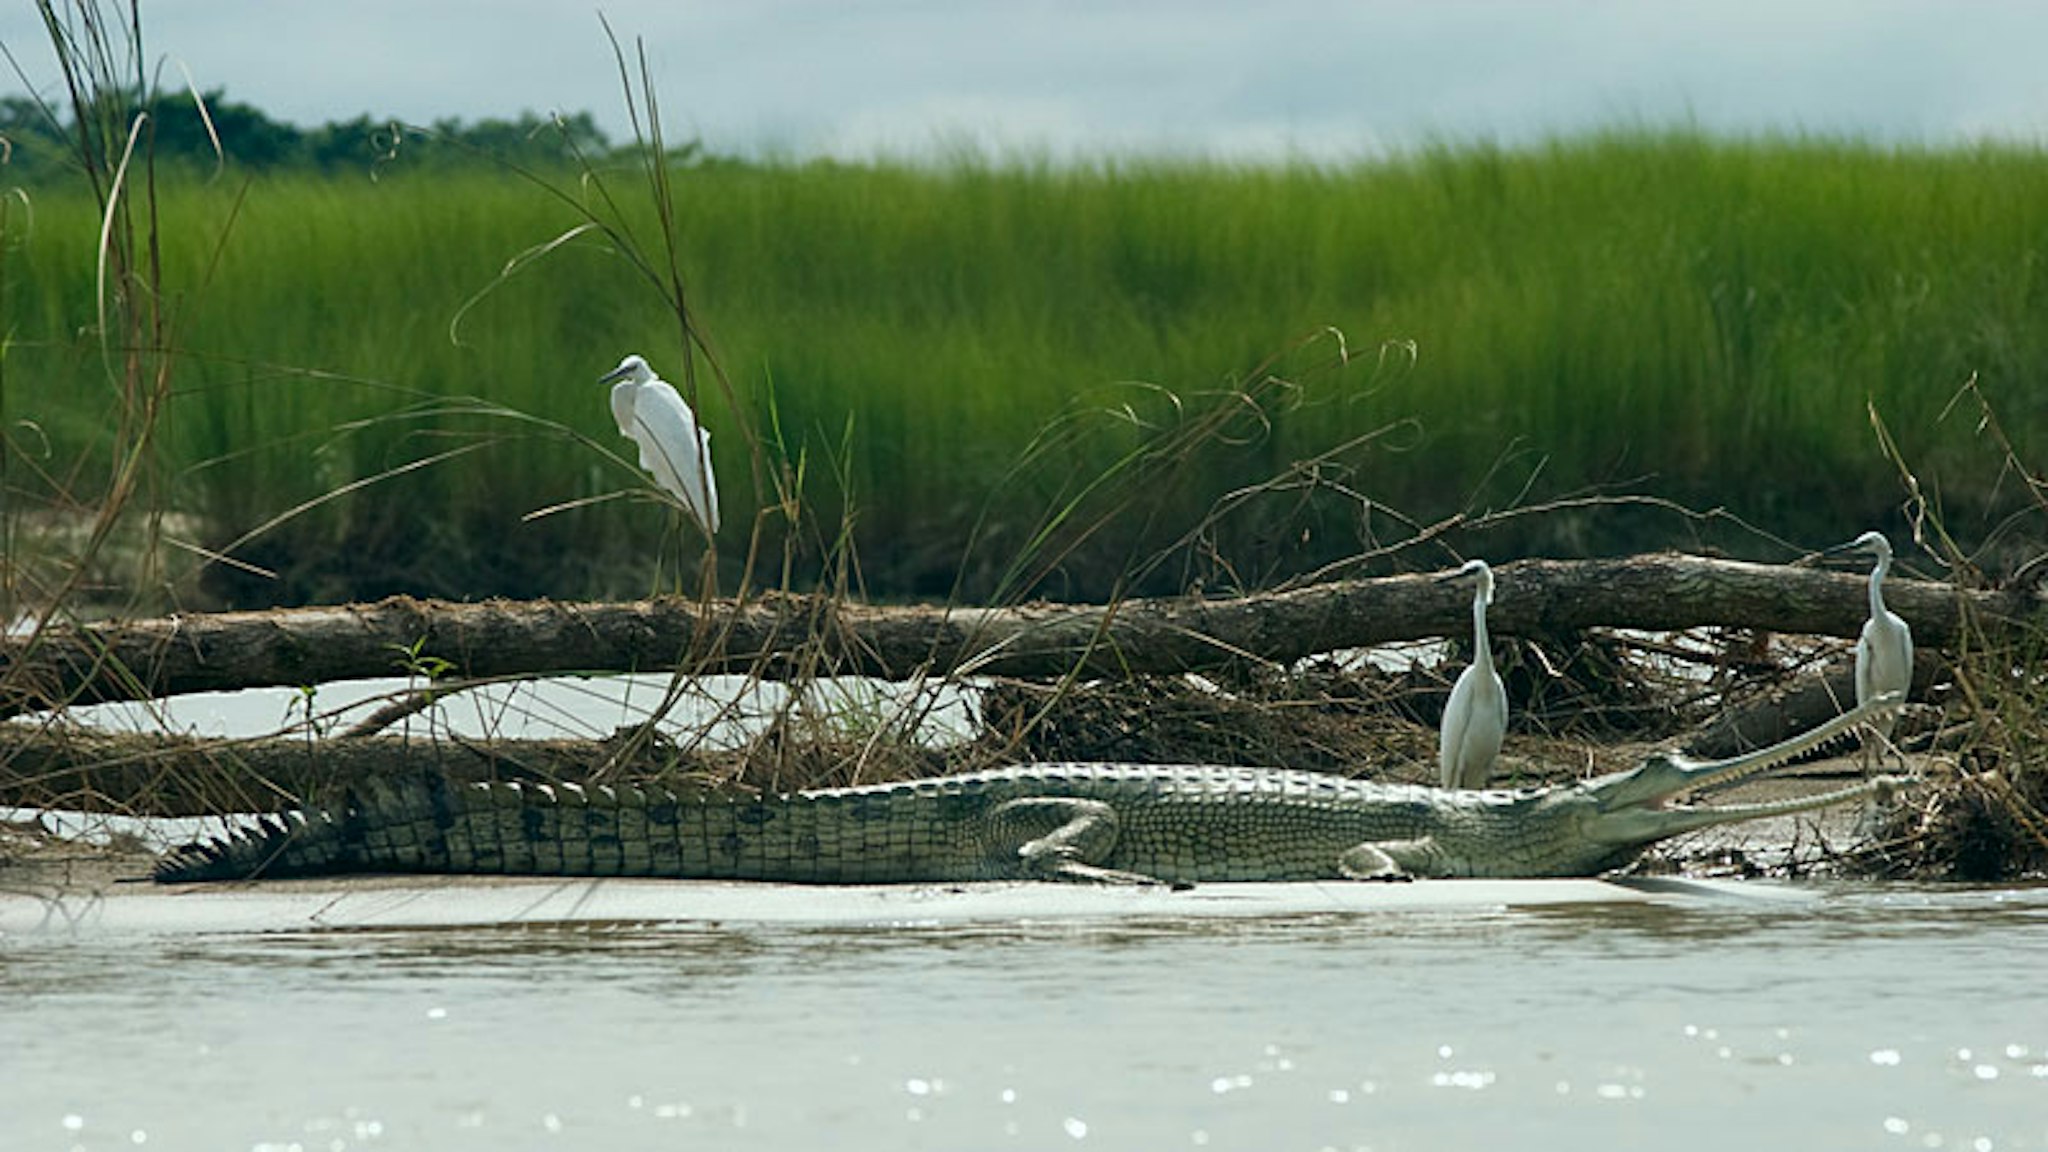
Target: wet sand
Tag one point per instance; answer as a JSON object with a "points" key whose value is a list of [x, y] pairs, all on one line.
{"points": [[112, 895]]}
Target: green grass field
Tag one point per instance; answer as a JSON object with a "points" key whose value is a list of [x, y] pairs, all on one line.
{"points": [[1661, 315]]}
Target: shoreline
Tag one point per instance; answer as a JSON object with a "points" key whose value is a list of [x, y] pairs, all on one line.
{"points": [[384, 902]]}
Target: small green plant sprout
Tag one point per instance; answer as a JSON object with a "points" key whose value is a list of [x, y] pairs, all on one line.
{"points": [[416, 663], [303, 700]]}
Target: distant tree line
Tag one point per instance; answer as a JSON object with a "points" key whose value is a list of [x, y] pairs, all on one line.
{"points": [[40, 140]]}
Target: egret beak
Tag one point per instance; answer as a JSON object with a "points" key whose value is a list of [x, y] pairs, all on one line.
{"points": [[615, 375], [1871, 542], [1469, 570]]}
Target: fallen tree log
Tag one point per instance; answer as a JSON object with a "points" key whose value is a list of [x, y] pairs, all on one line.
{"points": [[783, 637], [166, 774], [171, 774], [1806, 702]]}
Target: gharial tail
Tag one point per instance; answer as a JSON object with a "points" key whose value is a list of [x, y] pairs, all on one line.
{"points": [[292, 844], [355, 834], [424, 823]]}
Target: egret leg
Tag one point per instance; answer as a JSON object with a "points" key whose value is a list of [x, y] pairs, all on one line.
{"points": [[1877, 807], [707, 572], [672, 534]]}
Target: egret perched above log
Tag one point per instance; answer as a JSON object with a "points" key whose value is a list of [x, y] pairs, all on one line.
{"points": [[1884, 652], [673, 449], [1476, 718]]}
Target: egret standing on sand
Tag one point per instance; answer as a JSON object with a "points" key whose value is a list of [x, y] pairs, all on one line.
{"points": [[1884, 653], [672, 447], [1477, 716]]}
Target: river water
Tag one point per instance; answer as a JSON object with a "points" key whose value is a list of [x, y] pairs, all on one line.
{"points": [[1750, 1016]]}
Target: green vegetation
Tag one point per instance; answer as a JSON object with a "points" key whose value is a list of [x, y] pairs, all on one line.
{"points": [[193, 132], [1702, 321]]}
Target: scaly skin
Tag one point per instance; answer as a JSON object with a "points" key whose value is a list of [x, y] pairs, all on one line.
{"points": [[1131, 823]]}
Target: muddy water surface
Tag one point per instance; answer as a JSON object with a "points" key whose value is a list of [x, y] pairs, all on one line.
{"points": [[1861, 1018]]}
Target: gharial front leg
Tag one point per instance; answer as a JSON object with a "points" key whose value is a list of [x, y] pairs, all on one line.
{"points": [[1059, 838]]}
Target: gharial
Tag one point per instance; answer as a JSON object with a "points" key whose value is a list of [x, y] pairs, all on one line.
{"points": [[1476, 718], [1177, 824], [673, 448]]}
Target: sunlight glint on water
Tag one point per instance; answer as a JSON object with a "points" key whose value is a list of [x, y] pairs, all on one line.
{"points": [[1874, 1018]]}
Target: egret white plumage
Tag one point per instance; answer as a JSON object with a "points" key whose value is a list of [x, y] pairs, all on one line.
{"points": [[1884, 652], [1476, 718], [673, 449]]}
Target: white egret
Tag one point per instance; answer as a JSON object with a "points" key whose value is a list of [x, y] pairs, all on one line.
{"points": [[672, 447], [1476, 718], [1884, 652]]}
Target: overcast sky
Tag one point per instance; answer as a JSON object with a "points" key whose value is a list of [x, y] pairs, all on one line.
{"points": [[1306, 77]]}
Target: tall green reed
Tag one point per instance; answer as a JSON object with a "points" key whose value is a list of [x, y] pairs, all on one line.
{"points": [[1668, 314], [124, 323]]}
